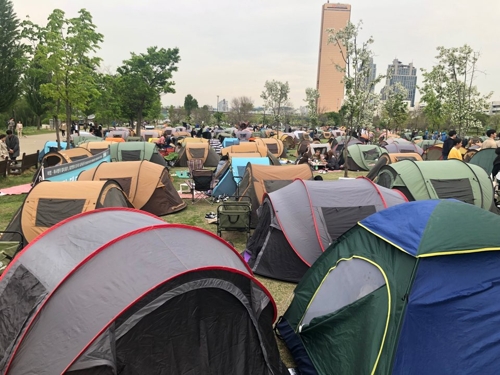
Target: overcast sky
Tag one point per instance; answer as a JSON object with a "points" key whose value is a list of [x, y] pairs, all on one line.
{"points": [[229, 48]]}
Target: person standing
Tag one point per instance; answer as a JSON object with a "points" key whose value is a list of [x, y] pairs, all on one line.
{"points": [[63, 129], [490, 142], [4, 152], [11, 124], [12, 143], [19, 128], [448, 143]]}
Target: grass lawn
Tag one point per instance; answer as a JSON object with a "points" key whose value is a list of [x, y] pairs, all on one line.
{"points": [[194, 215]]}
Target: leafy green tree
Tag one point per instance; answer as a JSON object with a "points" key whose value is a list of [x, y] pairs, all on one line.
{"points": [[107, 106], [176, 115], [395, 109], [11, 56], [202, 115], [494, 121], [190, 104], [451, 83], [219, 117], [275, 97], [146, 76], [312, 96], [360, 100], [68, 54], [433, 110]]}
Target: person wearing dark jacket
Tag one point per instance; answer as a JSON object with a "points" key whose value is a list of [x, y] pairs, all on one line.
{"points": [[448, 144], [12, 143], [496, 164]]}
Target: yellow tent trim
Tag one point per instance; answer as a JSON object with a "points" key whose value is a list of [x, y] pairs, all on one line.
{"points": [[385, 239]]}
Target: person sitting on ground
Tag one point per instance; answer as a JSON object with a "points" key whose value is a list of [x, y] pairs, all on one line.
{"points": [[455, 150], [304, 158], [12, 143], [490, 142], [332, 163], [162, 142]]}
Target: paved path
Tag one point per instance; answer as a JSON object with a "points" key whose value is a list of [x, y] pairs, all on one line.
{"points": [[31, 143]]}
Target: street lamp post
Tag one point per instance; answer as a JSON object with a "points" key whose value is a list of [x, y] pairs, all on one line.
{"points": [[217, 103]]}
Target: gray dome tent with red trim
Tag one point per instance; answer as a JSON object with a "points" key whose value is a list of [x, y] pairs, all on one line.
{"points": [[118, 291], [299, 221]]}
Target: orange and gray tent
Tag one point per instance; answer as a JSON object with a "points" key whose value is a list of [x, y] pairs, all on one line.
{"points": [[298, 222], [120, 291], [250, 148], [197, 150], [288, 141], [273, 145], [401, 145], [96, 147], [260, 179], [136, 151], [65, 156], [49, 203], [147, 185], [434, 152]]}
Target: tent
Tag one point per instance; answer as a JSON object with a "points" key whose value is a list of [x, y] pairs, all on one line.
{"points": [[197, 150], [417, 298], [153, 133], [251, 148], [229, 182], [484, 159], [137, 296], [273, 145], [386, 159], [49, 203], [420, 180], [65, 156], [136, 151], [426, 143], [230, 141], [260, 179], [401, 146], [147, 185], [96, 147], [298, 222], [77, 139], [434, 152], [363, 157], [288, 141], [124, 133]]}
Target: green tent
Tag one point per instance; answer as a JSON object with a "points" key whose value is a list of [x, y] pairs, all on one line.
{"points": [[419, 180], [409, 290], [484, 159], [136, 151], [363, 157]]}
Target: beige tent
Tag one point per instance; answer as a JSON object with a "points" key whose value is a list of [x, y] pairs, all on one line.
{"points": [[49, 203], [96, 147], [147, 185], [197, 150], [273, 145], [246, 147], [65, 156], [260, 179], [193, 140], [153, 133]]}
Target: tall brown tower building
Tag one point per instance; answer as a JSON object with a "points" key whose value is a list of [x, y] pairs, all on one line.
{"points": [[329, 83]]}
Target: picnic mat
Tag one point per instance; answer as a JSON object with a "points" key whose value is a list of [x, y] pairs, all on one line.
{"points": [[16, 190], [185, 195]]}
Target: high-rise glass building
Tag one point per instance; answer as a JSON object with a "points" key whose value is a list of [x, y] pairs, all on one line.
{"points": [[406, 75], [329, 82]]}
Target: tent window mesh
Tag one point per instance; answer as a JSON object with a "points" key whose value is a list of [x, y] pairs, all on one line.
{"points": [[348, 282], [273, 148], [125, 183], [51, 211], [385, 179], [79, 157], [197, 153], [340, 219], [372, 154], [131, 155], [460, 189]]}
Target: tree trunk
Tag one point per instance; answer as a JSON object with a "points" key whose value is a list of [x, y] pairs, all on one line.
{"points": [[68, 121], [38, 122], [139, 123]]}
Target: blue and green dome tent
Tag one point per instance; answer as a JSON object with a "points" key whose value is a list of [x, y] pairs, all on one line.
{"points": [[413, 289]]}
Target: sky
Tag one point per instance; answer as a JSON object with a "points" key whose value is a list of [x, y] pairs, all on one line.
{"points": [[229, 48]]}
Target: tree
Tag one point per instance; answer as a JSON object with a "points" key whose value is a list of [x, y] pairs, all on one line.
{"points": [[312, 96], [146, 76], [450, 83], [107, 106], [11, 56], [68, 55], [494, 121], [219, 117], [275, 98], [360, 101], [190, 104], [395, 109], [202, 115], [240, 109], [176, 115], [433, 109]]}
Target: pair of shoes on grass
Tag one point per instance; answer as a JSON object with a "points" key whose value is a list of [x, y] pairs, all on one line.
{"points": [[210, 215]]}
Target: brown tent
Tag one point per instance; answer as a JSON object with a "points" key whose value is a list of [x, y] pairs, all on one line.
{"points": [[96, 147], [246, 147], [197, 150], [261, 179], [395, 157], [65, 156], [288, 141], [147, 185], [273, 145], [49, 203], [386, 159], [146, 134]]}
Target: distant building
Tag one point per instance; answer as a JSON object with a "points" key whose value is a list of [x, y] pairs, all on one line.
{"points": [[329, 82], [373, 74], [406, 75], [223, 106], [494, 108]]}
